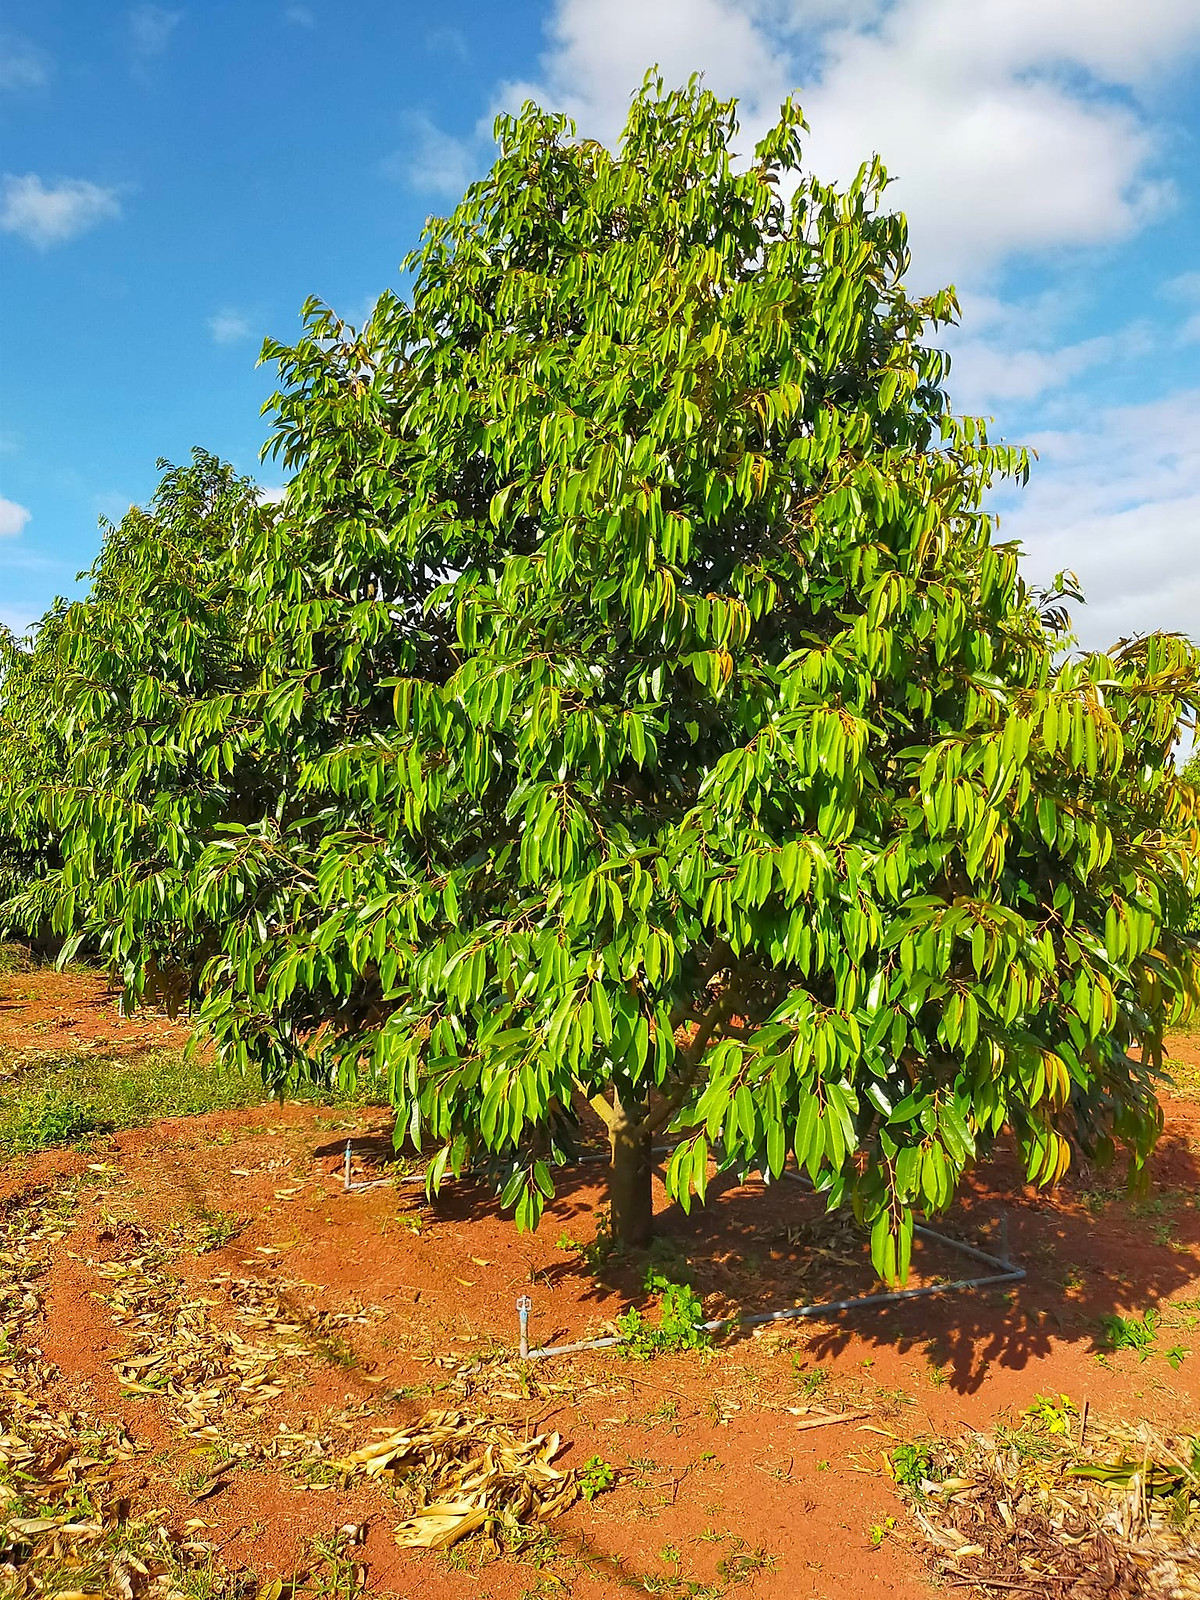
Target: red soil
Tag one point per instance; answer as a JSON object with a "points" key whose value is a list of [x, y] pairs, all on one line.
{"points": [[709, 1451]]}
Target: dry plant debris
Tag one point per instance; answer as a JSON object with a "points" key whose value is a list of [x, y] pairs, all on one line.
{"points": [[469, 1472], [177, 1349], [1032, 1510], [66, 1528]]}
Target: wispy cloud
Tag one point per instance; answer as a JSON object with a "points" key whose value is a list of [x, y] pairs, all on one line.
{"points": [[150, 29], [300, 16], [434, 162], [1186, 290], [13, 518], [17, 619], [48, 214], [453, 41], [22, 64], [229, 327], [1008, 351]]}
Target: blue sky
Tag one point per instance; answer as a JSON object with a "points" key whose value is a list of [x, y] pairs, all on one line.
{"points": [[177, 178]]}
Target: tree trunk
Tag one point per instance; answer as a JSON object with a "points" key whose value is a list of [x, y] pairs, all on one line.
{"points": [[630, 1197]]}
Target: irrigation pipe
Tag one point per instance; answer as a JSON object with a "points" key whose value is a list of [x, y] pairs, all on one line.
{"points": [[1006, 1272]]}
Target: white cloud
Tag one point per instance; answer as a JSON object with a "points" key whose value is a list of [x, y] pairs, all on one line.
{"points": [[600, 51], [983, 373], [1007, 351], [229, 327], [1014, 129], [434, 162], [300, 16], [22, 65], [1012, 125], [48, 214], [18, 620], [1186, 288], [150, 29], [272, 496], [13, 518], [1118, 502]]}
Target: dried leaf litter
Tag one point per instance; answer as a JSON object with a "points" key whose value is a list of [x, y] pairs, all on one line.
{"points": [[1116, 1517], [68, 1527]]}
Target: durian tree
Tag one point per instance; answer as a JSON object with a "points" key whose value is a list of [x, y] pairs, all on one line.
{"points": [[659, 725], [125, 742]]}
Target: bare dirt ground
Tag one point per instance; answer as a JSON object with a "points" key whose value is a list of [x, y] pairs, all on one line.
{"points": [[280, 1322]]}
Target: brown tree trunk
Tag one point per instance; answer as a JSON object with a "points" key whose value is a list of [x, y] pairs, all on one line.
{"points": [[630, 1196]]}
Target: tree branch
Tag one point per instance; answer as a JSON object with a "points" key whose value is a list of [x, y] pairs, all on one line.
{"points": [[717, 1014]]}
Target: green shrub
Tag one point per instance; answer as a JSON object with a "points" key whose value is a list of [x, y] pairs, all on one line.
{"points": [[680, 1311]]}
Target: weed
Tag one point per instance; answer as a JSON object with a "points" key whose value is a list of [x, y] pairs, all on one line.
{"points": [[642, 1467], [337, 1351], [880, 1530], [38, 1122], [664, 1413], [745, 1563], [217, 1229], [338, 1573], [1052, 1412], [597, 1255], [810, 1383], [596, 1476], [1132, 1333], [1176, 1356], [912, 1465], [680, 1312], [66, 1097]]}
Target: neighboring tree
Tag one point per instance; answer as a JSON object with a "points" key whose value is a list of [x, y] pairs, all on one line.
{"points": [[136, 750], [31, 756], [629, 705]]}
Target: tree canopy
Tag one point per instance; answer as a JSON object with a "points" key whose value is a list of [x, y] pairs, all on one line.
{"points": [[114, 726], [632, 704]]}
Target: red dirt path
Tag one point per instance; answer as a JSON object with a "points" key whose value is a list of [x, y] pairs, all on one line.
{"points": [[714, 1466]]}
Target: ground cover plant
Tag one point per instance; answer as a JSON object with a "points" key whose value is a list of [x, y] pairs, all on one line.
{"points": [[61, 1097], [631, 706]]}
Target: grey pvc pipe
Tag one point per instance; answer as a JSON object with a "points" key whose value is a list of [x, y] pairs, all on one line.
{"points": [[1008, 1273]]}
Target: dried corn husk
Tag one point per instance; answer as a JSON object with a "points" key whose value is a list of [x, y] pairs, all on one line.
{"points": [[494, 1476], [1119, 1521]]}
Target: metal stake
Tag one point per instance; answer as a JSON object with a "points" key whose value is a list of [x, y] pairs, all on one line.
{"points": [[524, 1307]]}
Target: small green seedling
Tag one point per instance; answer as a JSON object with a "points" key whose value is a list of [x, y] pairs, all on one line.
{"points": [[596, 1476], [1053, 1412], [912, 1465]]}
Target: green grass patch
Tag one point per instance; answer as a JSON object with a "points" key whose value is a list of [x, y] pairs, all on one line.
{"points": [[53, 1098], [50, 1098]]}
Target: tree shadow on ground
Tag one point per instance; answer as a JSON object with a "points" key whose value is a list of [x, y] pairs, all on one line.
{"points": [[1089, 1250]]}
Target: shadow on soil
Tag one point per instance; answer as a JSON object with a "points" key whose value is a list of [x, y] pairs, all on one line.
{"points": [[1088, 1248]]}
